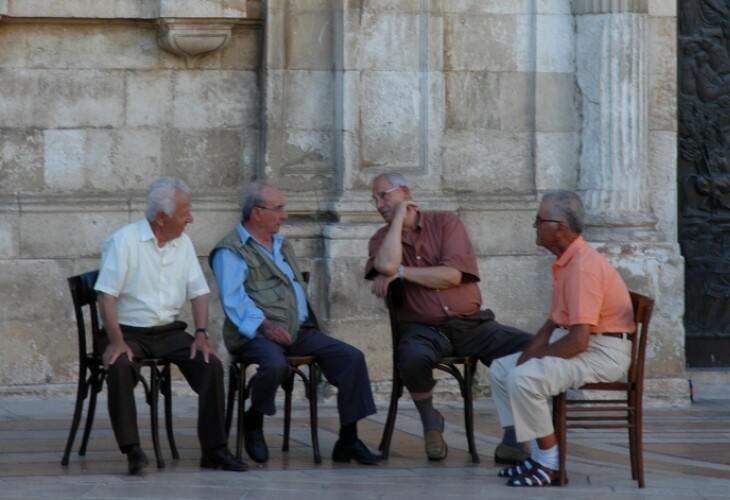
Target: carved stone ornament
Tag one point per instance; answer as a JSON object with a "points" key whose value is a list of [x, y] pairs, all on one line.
{"points": [[192, 38]]}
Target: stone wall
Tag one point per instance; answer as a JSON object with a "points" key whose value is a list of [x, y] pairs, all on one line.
{"points": [[482, 104]]}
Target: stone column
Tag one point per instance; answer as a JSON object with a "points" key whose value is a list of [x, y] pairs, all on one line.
{"points": [[611, 67]]}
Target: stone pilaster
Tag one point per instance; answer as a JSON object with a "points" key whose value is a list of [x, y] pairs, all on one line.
{"points": [[611, 66]]}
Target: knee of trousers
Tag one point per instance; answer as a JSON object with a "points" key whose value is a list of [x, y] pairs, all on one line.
{"points": [[417, 374], [274, 372], [121, 369]]}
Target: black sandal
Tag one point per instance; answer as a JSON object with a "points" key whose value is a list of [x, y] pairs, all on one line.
{"points": [[519, 469], [537, 476]]}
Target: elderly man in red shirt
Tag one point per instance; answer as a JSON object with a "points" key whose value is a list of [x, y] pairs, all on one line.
{"points": [[584, 340], [441, 315]]}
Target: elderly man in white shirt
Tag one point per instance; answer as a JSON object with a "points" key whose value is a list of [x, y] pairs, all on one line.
{"points": [[149, 269]]}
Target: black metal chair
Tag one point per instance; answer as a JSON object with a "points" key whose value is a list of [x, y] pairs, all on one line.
{"points": [[238, 386], [464, 377], [621, 412], [92, 373]]}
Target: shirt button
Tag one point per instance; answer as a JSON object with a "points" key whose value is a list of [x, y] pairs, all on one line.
{"points": [[418, 257], [446, 308]]}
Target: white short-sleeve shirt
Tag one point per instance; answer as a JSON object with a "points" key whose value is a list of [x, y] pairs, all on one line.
{"points": [[151, 283]]}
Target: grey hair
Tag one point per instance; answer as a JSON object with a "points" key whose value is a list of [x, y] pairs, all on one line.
{"points": [[160, 196], [250, 197], [396, 179], [568, 207]]}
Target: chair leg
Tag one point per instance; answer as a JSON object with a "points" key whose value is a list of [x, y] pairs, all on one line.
{"points": [[242, 396], [167, 391], [153, 398], [469, 412], [560, 414], [232, 391], [81, 393], [312, 396], [392, 412], [638, 451], [288, 388], [95, 385]]}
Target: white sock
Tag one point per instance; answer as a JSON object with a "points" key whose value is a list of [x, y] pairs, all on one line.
{"points": [[547, 458]]}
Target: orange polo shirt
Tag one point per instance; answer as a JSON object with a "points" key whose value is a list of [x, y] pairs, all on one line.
{"points": [[587, 289]]}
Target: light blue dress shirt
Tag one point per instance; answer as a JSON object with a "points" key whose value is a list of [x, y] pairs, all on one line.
{"points": [[230, 271]]}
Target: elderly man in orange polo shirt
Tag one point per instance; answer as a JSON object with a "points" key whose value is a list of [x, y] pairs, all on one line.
{"points": [[585, 339]]}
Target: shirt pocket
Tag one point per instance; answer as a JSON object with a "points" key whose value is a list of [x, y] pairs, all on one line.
{"points": [[270, 296]]}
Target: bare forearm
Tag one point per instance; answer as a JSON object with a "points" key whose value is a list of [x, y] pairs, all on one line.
{"points": [[574, 343], [390, 253], [108, 311], [200, 311]]}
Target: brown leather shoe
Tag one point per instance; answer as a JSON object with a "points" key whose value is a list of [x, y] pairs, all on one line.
{"points": [[508, 455], [436, 448]]}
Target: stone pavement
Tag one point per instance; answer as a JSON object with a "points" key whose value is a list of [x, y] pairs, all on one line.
{"points": [[686, 457]]}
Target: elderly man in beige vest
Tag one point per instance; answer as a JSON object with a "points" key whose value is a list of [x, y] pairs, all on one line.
{"points": [[269, 317]]}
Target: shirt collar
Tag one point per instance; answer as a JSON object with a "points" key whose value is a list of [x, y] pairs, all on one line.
{"points": [[245, 235], [570, 252], [146, 234]]}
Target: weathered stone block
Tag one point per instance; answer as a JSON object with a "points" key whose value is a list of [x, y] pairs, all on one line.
{"points": [[122, 159], [67, 234], [556, 103], [215, 99], [64, 159], [517, 289], [92, 47], [391, 41], [507, 50], [149, 97], [21, 160], [9, 229], [61, 98], [472, 100], [514, 227], [392, 118], [308, 100], [203, 8], [487, 161], [556, 160], [203, 158], [554, 44], [310, 40]]}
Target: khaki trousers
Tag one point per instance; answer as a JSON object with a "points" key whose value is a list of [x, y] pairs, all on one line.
{"points": [[523, 393]]}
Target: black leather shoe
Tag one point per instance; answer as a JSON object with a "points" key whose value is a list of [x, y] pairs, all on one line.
{"points": [[221, 458], [136, 459], [356, 451], [253, 440]]}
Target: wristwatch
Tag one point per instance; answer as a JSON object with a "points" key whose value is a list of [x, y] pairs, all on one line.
{"points": [[401, 272], [202, 330]]}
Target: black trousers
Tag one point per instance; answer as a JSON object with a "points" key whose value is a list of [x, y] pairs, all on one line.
{"points": [[171, 343], [421, 346]]}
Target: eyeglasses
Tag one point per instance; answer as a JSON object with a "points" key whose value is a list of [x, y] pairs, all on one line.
{"points": [[278, 210], [539, 220], [381, 197]]}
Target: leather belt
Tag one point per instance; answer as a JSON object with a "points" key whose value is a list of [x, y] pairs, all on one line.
{"points": [[617, 335]]}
